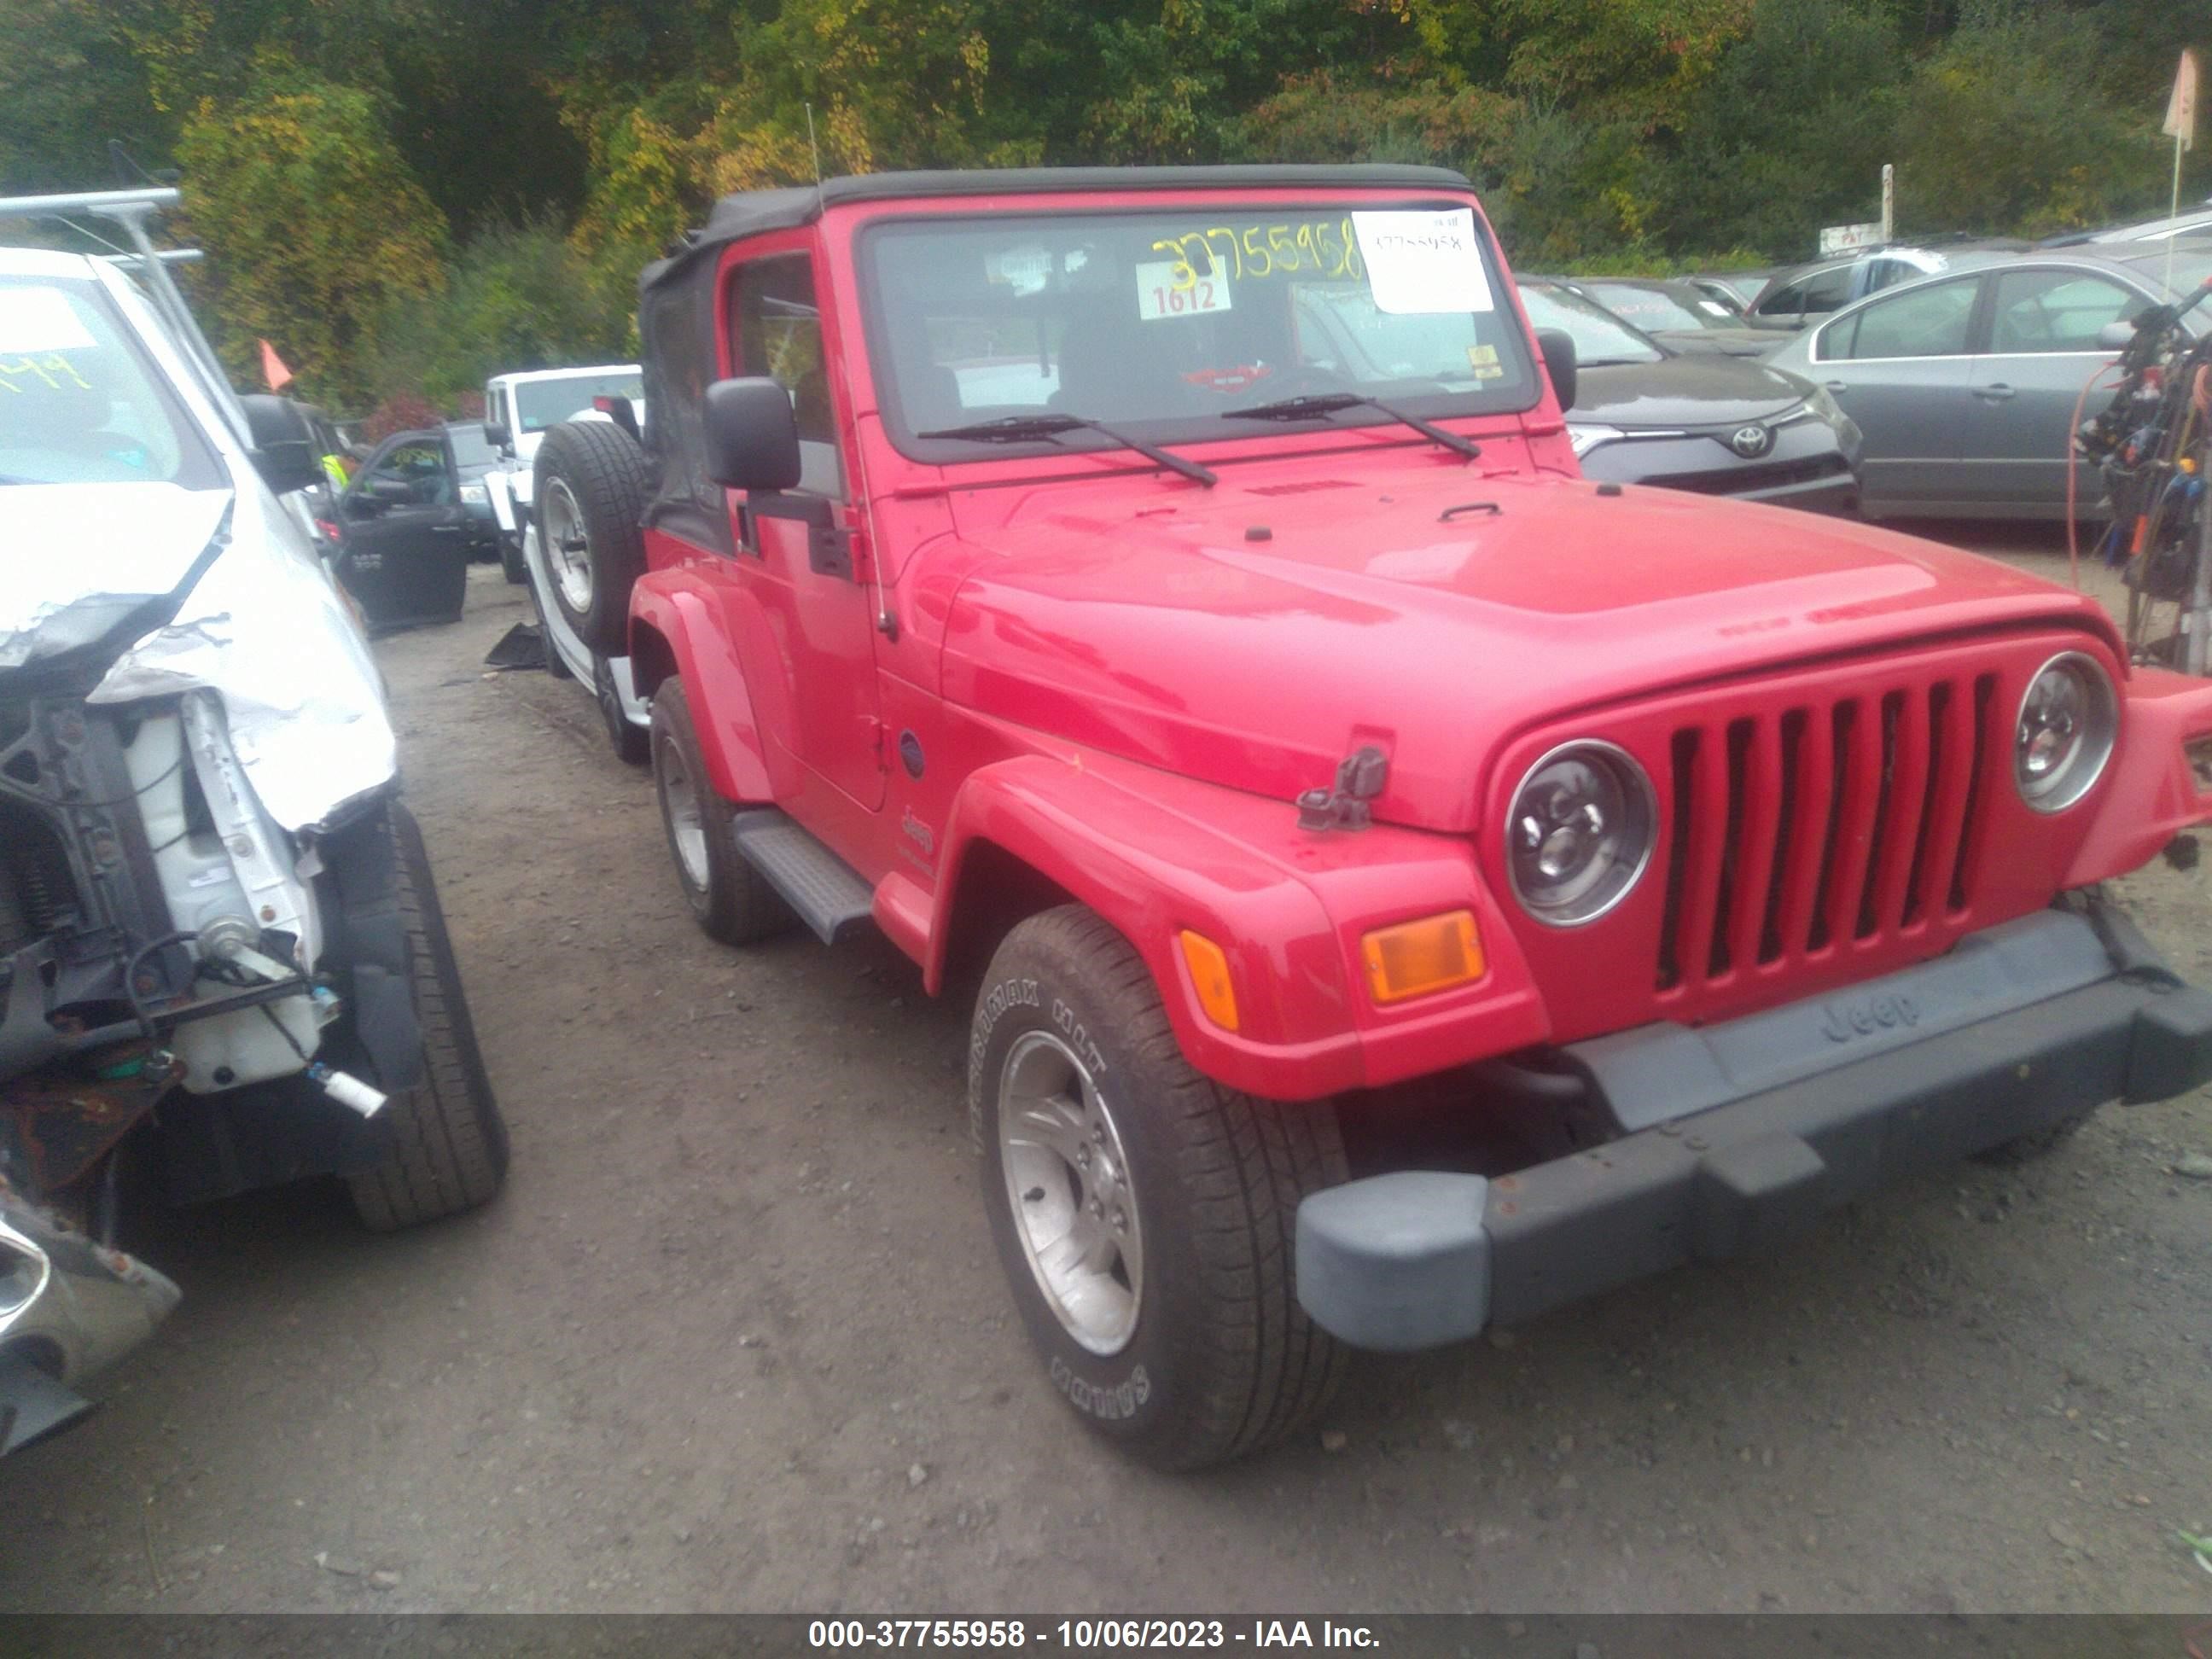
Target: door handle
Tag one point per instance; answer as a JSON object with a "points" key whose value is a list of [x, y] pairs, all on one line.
{"points": [[449, 529], [1996, 392], [1837, 385]]}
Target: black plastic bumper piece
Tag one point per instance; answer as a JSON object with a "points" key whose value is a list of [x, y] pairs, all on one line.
{"points": [[1417, 1260]]}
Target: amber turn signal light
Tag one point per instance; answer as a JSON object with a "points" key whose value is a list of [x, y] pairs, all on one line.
{"points": [[1415, 958], [1209, 972]]}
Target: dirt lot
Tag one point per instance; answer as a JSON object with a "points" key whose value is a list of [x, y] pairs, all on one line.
{"points": [[734, 1337]]}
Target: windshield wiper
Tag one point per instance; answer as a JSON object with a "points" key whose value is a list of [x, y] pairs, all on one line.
{"points": [[1020, 428], [1312, 406]]}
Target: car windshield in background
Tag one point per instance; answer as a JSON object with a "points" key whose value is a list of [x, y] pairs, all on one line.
{"points": [[1599, 337], [471, 451], [541, 404], [1164, 323], [2191, 267], [1651, 308], [78, 403]]}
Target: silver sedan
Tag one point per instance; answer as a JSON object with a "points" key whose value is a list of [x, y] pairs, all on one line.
{"points": [[1965, 385]]}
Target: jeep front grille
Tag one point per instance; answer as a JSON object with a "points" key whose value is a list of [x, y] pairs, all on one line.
{"points": [[1795, 831]]}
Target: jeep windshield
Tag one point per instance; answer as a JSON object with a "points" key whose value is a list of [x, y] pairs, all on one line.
{"points": [[1161, 323], [79, 404]]}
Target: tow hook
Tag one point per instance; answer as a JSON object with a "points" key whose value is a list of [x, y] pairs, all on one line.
{"points": [[1360, 777]]}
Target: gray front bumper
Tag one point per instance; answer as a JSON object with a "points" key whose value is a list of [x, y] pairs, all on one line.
{"points": [[1739, 1133]]}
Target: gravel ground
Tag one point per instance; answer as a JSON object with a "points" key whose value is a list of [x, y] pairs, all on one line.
{"points": [[734, 1337]]}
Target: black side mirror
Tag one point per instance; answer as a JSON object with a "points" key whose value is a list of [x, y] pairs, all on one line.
{"points": [[496, 435], [283, 443], [1558, 349], [752, 435]]}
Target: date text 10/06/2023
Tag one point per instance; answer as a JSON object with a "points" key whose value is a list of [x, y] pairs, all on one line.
{"points": [[1087, 1635]]}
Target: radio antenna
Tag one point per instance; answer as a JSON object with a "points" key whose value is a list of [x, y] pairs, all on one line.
{"points": [[817, 150]]}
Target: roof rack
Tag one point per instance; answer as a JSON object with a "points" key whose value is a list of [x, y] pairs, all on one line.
{"points": [[133, 209]]}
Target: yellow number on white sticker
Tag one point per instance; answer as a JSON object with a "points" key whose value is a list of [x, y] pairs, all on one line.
{"points": [[1159, 297]]}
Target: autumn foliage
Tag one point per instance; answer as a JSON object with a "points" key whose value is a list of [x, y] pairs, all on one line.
{"points": [[406, 195]]}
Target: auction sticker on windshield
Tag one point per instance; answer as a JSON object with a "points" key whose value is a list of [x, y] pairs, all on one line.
{"points": [[1158, 296], [1423, 261], [40, 319]]}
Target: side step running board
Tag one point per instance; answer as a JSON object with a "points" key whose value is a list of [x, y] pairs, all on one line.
{"points": [[829, 897]]}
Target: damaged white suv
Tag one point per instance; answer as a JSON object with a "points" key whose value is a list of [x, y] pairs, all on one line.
{"points": [[220, 950]]}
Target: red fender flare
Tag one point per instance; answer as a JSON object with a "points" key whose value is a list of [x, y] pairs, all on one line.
{"points": [[676, 627]]}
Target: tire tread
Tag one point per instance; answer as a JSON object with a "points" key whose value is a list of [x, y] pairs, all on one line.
{"points": [[449, 1149], [1245, 1164]]}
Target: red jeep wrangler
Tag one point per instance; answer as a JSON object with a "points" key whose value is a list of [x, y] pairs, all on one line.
{"points": [[1170, 594]]}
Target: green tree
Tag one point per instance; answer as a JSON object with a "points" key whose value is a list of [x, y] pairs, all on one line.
{"points": [[2006, 126], [515, 297], [68, 83], [314, 225], [1791, 131]]}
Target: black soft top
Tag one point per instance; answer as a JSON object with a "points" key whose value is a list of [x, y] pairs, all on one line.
{"points": [[676, 302], [752, 212]]}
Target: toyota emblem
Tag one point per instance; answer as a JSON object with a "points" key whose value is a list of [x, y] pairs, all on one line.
{"points": [[1751, 442]]}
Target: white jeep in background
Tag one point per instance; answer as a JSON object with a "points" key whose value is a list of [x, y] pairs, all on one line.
{"points": [[518, 409], [545, 541]]}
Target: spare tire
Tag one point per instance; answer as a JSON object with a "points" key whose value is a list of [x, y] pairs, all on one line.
{"points": [[590, 496]]}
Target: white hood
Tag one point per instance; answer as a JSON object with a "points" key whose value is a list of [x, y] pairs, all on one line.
{"points": [[84, 554], [263, 628]]}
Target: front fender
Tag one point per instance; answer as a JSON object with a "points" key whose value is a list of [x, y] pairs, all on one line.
{"points": [[2152, 795], [676, 627], [1155, 853]]}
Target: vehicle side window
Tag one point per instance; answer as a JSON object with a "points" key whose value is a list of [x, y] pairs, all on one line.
{"points": [[2056, 310], [1821, 291], [1787, 300], [419, 469], [1833, 343], [778, 328], [1922, 322], [1887, 273]]}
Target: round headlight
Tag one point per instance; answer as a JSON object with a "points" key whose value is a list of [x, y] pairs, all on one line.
{"points": [[1580, 831], [2069, 721]]}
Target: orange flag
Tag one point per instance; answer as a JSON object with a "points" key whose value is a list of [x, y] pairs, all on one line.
{"points": [[272, 368], [2181, 107]]}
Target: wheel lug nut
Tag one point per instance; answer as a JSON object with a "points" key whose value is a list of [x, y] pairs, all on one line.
{"points": [[1121, 1222], [1095, 1207], [1082, 1156]]}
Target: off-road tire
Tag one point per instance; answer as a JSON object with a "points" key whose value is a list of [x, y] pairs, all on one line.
{"points": [[449, 1143], [633, 744], [603, 468], [1221, 1360], [2041, 1143], [735, 904]]}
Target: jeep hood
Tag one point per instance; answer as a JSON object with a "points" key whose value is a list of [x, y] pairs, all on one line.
{"points": [[240, 605], [1254, 635]]}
